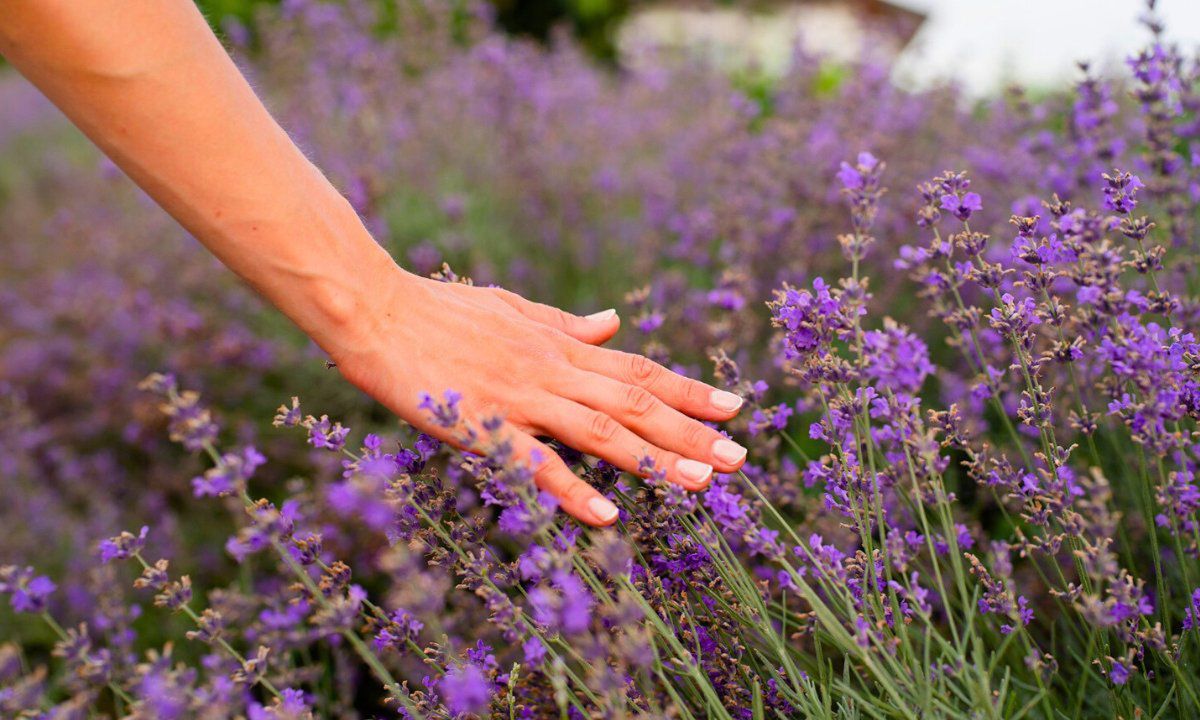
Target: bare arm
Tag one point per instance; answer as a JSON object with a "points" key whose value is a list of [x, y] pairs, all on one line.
{"points": [[153, 88], [151, 85]]}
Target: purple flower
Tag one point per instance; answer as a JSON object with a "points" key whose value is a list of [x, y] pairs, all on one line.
{"points": [[896, 359], [1191, 614], [287, 416], [534, 652], [853, 177], [769, 418], [962, 206], [526, 520], [230, 475], [726, 299], [33, 597], [444, 414], [1089, 295], [568, 610], [1120, 191], [850, 178], [861, 185], [29, 593], [465, 689], [123, 546], [810, 319], [291, 704], [402, 628], [325, 434], [648, 322]]}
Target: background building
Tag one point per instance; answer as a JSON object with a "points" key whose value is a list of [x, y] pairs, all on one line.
{"points": [[765, 34]]}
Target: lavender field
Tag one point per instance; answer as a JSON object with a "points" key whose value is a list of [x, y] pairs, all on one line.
{"points": [[964, 331]]}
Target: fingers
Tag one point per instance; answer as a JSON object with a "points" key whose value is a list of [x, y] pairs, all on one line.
{"points": [[576, 497], [594, 329], [650, 418], [690, 397], [596, 433]]}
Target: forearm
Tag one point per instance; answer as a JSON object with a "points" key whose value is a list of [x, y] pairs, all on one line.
{"points": [[151, 86]]}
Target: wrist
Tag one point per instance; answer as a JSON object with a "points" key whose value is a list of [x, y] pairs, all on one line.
{"points": [[336, 289]]}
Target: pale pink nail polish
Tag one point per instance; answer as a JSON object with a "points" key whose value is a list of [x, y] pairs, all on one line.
{"points": [[601, 316], [724, 401], [693, 470], [602, 509], [727, 451]]}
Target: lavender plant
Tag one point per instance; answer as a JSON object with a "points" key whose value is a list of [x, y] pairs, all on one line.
{"points": [[972, 398]]}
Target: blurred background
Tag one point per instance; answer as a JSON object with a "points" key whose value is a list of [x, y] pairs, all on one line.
{"points": [[984, 44]]}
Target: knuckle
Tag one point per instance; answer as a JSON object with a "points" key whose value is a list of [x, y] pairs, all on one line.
{"points": [[559, 318], [541, 352], [572, 350], [541, 465], [694, 394], [640, 368], [602, 429], [638, 402], [549, 334], [577, 492], [660, 459], [496, 298], [694, 434]]}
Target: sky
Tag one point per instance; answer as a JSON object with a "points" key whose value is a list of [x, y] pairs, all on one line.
{"points": [[986, 44]]}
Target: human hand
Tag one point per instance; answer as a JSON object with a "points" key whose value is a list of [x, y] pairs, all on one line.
{"points": [[540, 369]]}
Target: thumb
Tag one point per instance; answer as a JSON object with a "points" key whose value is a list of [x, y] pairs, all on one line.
{"points": [[594, 329]]}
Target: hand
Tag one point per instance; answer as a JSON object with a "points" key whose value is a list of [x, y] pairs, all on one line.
{"points": [[538, 368]]}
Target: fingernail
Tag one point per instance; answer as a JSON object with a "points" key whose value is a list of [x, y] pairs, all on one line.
{"points": [[727, 451], [724, 401], [602, 315], [694, 470], [602, 509]]}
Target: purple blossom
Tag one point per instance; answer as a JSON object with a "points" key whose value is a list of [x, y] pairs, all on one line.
{"points": [[566, 608], [28, 593], [1191, 614], [648, 322], [962, 206], [853, 177], [466, 689], [292, 704], [230, 475], [123, 546], [325, 434], [527, 519], [810, 319], [534, 652], [1120, 191], [896, 359], [444, 414], [288, 416], [402, 628]]}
